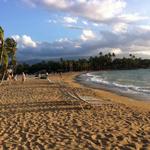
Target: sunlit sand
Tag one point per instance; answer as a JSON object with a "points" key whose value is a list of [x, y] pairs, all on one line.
{"points": [[62, 114]]}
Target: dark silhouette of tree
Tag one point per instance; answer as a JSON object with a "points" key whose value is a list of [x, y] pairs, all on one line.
{"points": [[100, 53], [101, 62]]}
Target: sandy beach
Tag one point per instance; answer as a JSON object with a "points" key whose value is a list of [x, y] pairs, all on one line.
{"points": [[61, 114]]}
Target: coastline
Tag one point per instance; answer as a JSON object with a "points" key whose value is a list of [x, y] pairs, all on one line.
{"points": [[42, 114], [115, 96]]}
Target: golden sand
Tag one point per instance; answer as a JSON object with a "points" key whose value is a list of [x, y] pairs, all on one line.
{"points": [[43, 115]]}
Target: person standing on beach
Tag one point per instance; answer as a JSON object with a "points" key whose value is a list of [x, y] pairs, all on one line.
{"points": [[46, 75], [15, 78], [9, 78], [9, 75], [23, 77]]}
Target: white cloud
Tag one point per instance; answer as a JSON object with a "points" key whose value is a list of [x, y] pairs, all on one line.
{"points": [[144, 27], [128, 18], [117, 51], [24, 41], [63, 40], [85, 22], [142, 53], [87, 35], [95, 10], [63, 4], [95, 24], [77, 46], [81, 1], [70, 20], [120, 28], [137, 43], [108, 15], [74, 27], [52, 21]]}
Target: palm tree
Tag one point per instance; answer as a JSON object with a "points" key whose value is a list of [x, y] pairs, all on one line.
{"points": [[1, 51], [10, 47], [100, 53], [113, 55], [130, 55], [7, 53], [1, 43]]}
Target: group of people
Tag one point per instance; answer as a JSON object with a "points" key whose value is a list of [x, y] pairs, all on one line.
{"points": [[11, 77]]}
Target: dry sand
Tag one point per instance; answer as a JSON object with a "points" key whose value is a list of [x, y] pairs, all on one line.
{"points": [[40, 115]]}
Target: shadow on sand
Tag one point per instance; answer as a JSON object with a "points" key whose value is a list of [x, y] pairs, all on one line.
{"points": [[43, 106]]}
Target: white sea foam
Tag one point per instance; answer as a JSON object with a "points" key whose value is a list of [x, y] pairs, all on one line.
{"points": [[89, 74], [99, 80], [124, 88]]}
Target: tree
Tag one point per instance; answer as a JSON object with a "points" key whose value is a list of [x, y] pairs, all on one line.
{"points": [[1, 43], [100, 53], [113, 55], [2, 52], [10, 46], [7, 53]]}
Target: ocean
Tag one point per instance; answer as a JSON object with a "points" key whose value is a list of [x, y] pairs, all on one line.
{"points": [[132, 83]]}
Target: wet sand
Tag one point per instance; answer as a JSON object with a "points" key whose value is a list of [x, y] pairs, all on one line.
{"points": [[61, 114]]}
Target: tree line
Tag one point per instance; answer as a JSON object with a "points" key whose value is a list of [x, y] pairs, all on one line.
{"points": [[102, 61], [8, 49], [96, 63]]}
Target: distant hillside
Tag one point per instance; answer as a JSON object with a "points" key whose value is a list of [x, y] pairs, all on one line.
{"points": [[35, 61]]}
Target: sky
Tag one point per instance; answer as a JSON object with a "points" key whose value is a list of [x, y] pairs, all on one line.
{"points": [[47, 29]]}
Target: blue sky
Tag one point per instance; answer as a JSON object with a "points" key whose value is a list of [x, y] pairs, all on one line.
{"points": [[54, 28], [18, 18]]}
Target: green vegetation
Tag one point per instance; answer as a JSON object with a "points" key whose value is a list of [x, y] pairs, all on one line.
{"points": [[100, 62], [7, 53]]}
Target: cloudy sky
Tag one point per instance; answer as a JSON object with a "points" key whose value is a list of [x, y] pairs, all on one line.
{"points": [[64, 28]]}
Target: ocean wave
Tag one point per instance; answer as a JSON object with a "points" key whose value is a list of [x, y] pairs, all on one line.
{"points": [[89, 75], [121, 87], [99, 80]]}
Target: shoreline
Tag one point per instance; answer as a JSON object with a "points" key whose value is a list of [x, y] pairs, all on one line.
{"points": [[104, 88], [143, 105], [42, 114]]}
